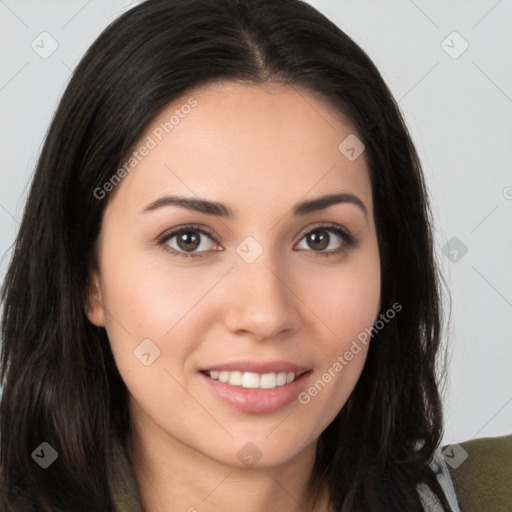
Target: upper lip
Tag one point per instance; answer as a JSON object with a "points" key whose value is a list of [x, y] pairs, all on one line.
{"points": [[257, 367]]}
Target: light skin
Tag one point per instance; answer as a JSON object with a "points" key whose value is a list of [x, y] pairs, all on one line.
{"points": [[259, 150]]}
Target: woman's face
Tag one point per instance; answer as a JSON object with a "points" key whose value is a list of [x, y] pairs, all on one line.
{"points": [[270, 293]]}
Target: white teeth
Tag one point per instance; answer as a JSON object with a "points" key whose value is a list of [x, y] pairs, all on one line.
{"points": [[268, 381], [281, 379], [253, 380], [235, 378], [250, 380]]}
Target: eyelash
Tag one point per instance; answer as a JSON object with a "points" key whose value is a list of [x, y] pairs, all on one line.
{"points": [[349, 240]]}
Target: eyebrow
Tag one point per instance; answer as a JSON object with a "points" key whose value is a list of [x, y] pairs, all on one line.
{"points": [[220, 210]]}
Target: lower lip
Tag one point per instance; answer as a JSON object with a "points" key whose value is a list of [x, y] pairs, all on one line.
{"points": [[257, 400]]}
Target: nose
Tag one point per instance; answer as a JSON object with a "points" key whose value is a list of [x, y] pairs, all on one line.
{"points": [[259, 300]]}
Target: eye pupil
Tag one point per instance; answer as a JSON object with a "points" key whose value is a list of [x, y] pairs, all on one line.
{"points": [[188, 241], [322, 240]]}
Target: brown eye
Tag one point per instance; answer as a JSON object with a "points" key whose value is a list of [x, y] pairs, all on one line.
{"points": [[318, 240], [327, 240], [189, 242]]}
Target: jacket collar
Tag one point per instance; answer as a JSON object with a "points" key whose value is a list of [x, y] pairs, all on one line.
{"points": [[122, 480]]}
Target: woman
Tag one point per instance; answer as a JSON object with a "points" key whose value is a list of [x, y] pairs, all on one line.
{"points": [[223, 294]]}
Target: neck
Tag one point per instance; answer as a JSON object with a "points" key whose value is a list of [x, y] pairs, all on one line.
{"points": [[173, 476]]}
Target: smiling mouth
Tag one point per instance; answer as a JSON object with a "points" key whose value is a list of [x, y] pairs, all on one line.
{"points": [[256, 391], [252, 380]]}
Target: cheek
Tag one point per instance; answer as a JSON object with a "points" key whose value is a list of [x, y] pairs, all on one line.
{"points": [[348, 303], [329, 391], [147, 298], [346, 300]]}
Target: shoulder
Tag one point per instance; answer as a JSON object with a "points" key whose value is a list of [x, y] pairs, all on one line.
{"points": [[428, 498], [481, 471]]}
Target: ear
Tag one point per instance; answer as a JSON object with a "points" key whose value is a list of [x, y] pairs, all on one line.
{"points": [[94, 307]]}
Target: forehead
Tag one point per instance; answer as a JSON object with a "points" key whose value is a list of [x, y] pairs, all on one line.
{"points": [[246, 145]]}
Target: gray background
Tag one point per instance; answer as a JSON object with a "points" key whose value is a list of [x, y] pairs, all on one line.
{"points": [[458, 106]]}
